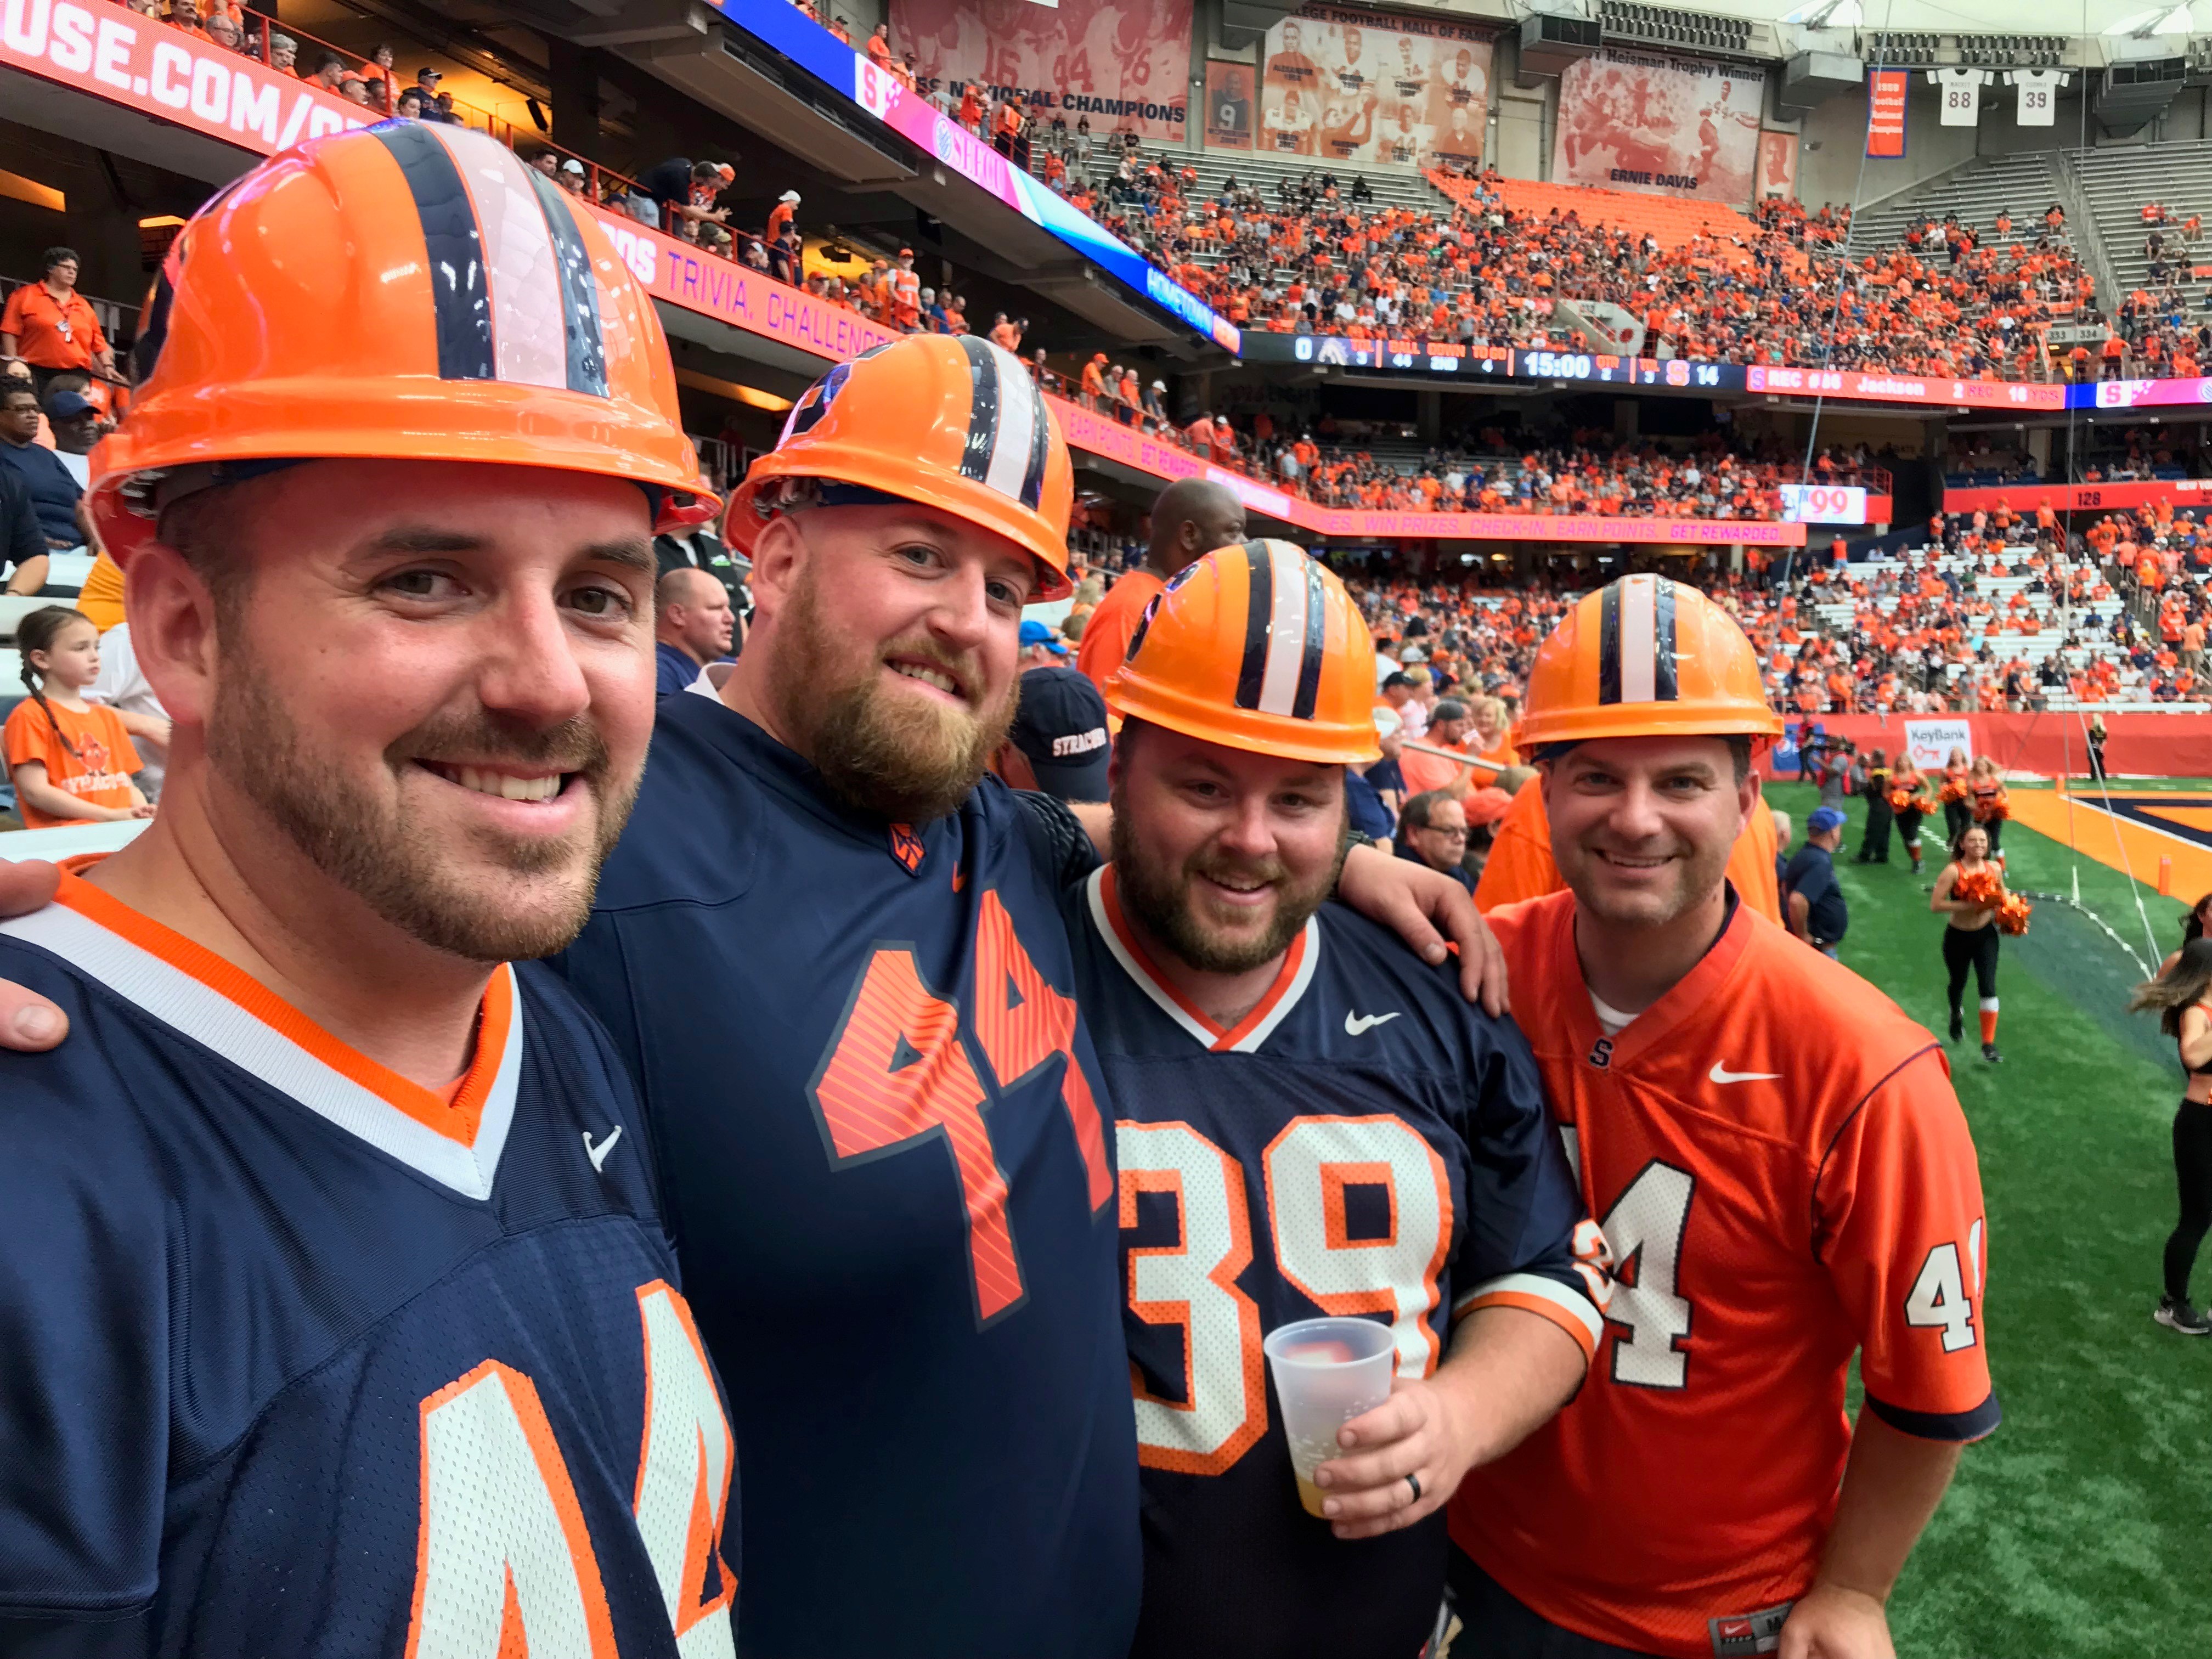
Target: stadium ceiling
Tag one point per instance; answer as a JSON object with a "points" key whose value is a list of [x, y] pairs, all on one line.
{"points": [[2071, 17]]}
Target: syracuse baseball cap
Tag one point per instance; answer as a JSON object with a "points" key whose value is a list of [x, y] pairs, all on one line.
{"points": [[1060, 729], [67, 405], [1824, 818], [1037, 633]]}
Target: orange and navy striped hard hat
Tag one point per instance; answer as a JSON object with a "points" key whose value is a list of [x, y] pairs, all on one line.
{"points": [[949, 421], [1254, 646], [406, 291], [1645, 657]]}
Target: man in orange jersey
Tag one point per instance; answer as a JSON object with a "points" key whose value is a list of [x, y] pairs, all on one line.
{"points": [[1783, 1174], [1190, 517], [1521, 865]]}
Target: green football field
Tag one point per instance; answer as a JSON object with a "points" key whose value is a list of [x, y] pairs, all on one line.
{"points": [[2084, 1525]]}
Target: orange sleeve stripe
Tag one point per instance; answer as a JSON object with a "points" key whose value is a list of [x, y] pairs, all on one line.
{"points": [[1543, 1309], [1570, 1309]]}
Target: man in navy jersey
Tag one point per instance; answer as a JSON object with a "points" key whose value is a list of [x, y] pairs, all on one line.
{"points": [[1310, 1122], [832, 952], [338, 1314], [834, 961]]}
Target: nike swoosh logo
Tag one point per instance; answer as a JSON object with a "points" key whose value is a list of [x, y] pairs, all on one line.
{"points": [[1361, 1024], [599, 1154], [1720, 1073]]}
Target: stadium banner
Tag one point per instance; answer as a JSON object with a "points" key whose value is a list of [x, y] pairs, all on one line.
{"points": [[1777, 167], [1660, 126], [114, 53], [1885, 95], [2143, 394], [2148, 745], [1930, 743], [1388, 91], [1824, 504], [1122, 63], [1465, 362], [2028, 494], [806, 43], [1907, 388], [1099, 435], [677, 272], [1228, 106]]}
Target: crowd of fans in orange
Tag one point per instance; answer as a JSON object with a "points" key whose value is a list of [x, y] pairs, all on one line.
{"points": [[1936, 632], [1324, 259]]}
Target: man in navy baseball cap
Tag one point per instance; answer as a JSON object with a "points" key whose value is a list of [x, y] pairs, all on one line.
{"points": [[1058, 742]]}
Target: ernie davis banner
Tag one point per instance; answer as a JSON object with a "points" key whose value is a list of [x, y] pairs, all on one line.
{"points": [[1360, 87], [1122, 63], [1663, 126]]}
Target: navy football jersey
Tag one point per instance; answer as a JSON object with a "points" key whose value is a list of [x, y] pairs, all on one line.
{"points": [[1363, 1142], [304, 1360], [883, 1148]]}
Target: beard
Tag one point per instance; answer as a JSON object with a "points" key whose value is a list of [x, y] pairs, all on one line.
{"points": [[907, 759], [1160, 902], [403, 869]]}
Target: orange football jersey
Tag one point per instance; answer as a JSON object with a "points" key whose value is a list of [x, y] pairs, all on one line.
{"points": [[1784, 1176], [1520, 865]]}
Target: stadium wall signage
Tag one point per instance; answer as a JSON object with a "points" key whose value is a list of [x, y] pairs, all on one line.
{"points": [[2027, 494], [111, 52], [786, 29], [1126, 64], [1097, 435]]}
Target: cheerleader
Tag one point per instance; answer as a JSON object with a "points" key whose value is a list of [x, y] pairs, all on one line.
{"points": [[1956, 814], [1967, 896], [1908, 803], [2182, 993], [2194, 927], [1988, 802]]}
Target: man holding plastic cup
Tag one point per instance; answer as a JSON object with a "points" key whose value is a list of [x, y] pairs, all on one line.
{"points": [[1312, 1124]]}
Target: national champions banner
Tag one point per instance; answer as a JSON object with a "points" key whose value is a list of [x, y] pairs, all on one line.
{"points": [[1358, 86], [1123, 64], [1662, 126]]}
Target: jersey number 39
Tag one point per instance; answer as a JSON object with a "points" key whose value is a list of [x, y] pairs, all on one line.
{"points": [[1192, 1282]]}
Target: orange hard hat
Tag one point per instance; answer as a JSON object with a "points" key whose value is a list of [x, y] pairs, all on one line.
{"points": [[1645, 657], [949, 421], [1254, 646], [408, 291]]}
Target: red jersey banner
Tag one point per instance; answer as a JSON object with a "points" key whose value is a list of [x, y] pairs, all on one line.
{"points": [[1662, 126], [1122, 63], [1885, 91], [1778, 165], [1360, 87]]}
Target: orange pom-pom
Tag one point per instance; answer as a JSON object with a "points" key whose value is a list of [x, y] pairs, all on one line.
{"points": [[1952, 790], [1900, 801], [2013, 914], [1981, 887]]}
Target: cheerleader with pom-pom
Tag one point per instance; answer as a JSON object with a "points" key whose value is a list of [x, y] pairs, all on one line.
{"points": [[1988, 802], [1971, 898], [1957, 815], [1908, 803]]}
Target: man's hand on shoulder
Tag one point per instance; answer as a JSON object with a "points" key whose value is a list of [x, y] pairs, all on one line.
{"points": [[29, 1023], [1426, 908]]}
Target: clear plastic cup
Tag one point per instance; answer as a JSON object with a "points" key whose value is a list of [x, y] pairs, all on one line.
{"points": [[1327, 1372]]}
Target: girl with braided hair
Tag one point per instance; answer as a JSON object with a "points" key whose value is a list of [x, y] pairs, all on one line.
{"points": [[69, 760]]}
